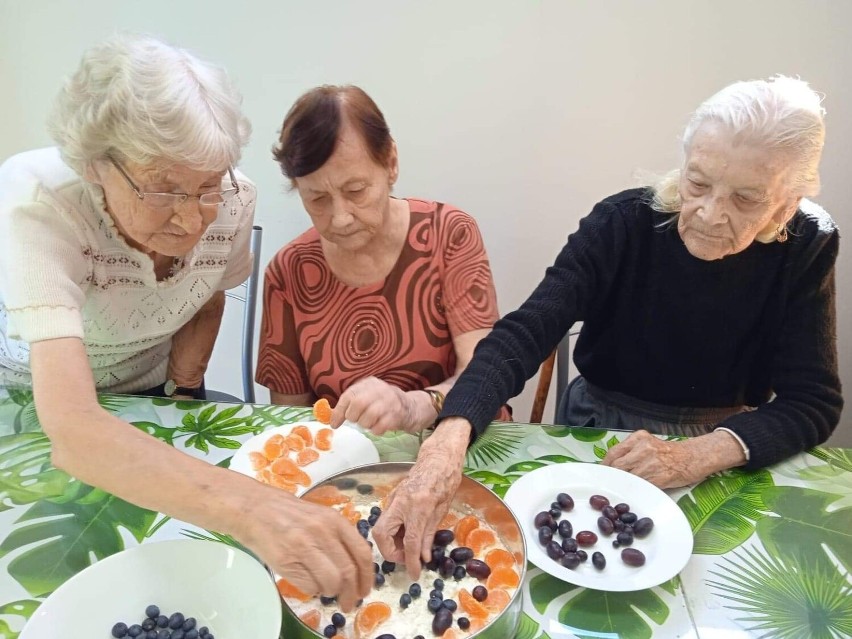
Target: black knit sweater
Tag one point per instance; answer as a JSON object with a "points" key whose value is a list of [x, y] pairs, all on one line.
{"points": [[666, 327]]}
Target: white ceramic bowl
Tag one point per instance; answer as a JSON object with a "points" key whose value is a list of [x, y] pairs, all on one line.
{"points": [[224, 588]]}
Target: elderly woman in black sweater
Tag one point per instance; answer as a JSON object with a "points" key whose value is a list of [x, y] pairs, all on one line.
{"points": [[708, 303]]}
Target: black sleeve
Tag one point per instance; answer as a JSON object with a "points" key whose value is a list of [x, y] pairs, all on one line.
{"points": [[515, 348], [807, 404]]}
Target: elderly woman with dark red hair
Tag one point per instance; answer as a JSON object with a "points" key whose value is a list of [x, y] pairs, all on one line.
{"points": [[378, 307]]}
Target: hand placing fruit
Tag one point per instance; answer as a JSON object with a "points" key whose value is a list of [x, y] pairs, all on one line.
{"points": [[312, 546], [381, 407], [405, 531], [675, 464]]}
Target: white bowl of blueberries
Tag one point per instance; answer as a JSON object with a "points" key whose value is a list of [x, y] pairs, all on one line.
{"points": [[180, 589]]}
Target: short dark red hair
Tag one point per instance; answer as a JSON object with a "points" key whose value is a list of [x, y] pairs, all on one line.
{"points": [[312, 126]]}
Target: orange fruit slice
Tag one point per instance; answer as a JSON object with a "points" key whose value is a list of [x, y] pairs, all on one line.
{"points": [[294, 442], [449, 633], [307, 456], [322, 411], [471, 606], [284, 466], [258, 461], [311, 618], [497, 600], [464, 527], [280, 482], [323, 439], [480, 539], [351, 513], [326, 496], [499, 557], [286, 589], [274, 447], [264, 476], [304, 432], [449, 520], [371, 617], [503, 577], [476, 624]]}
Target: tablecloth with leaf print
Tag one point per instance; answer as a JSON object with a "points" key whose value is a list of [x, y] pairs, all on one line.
{"points": [[772, 555]]}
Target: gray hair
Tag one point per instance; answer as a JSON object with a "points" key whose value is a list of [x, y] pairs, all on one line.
{"points": [[778, 113], [145, 101]]}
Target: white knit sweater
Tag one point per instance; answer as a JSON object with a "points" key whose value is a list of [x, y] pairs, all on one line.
{"points": [[65, 271]]}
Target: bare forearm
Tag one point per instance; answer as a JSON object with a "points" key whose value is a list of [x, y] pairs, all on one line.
{"points": [[715, 452], [193, 344]]}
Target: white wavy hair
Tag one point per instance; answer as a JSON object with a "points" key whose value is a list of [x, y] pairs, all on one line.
{"points": [[778, 113], [143, 100]]}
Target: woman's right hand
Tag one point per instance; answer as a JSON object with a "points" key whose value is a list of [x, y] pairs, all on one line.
{"points": [[311, 546]]}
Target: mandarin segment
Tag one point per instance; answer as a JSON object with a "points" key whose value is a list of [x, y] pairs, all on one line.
{"points": [[322, 411], [280, 482], [449, 633], [464, 527], [371, 616], [476, 624], [307, 456], [284, 466], [480, 539], [499, 557], [503, 577], [286, 589], [349, 511], [471, 606], [323, 439], [326, 496], [273, 448], [311, 618], [497, 600], [294, 442], [449, 521], [305, 433], [258, 461]]}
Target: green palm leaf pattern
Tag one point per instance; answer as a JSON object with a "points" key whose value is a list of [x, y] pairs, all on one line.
{"points": [[62, 538], [498, 443], [217, 429], [786, 599], [26, 475], [527, 628], [23, 609], [839, 458], [804, 525], [544, 588], [594, 613], [722, 510]]}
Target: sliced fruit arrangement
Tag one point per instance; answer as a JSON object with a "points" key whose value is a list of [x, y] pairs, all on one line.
{"points": [[282, 458]]}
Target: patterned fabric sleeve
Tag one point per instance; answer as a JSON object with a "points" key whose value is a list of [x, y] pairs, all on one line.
{"points": [[280, 366], [469, 299]]}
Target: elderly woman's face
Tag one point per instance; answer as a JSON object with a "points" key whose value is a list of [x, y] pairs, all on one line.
{"points": [[731, 192], [348, 197], [167, 231]]}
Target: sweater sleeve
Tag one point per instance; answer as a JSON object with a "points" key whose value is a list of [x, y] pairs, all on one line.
{"points": [[513, 351], [808, 401], [43, 273]]}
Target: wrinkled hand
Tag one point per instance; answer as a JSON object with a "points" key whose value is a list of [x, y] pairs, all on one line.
{"points": [[311, 546], [405, 531], [674, 464], [377, 406]]}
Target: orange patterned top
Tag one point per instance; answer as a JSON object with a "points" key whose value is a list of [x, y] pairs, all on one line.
{"points": [[320, 335]]}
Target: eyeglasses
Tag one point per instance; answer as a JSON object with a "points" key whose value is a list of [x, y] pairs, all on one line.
{"points": [[166, 201]]}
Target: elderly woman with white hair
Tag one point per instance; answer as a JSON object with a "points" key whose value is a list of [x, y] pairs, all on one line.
{"points": [[708, 309], [117, 248]]}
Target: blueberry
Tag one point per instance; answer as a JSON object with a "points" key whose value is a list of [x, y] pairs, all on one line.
{"points": [[480, 593], [376, 569], [164, 634], [152, 611], [327, 601], [556, 513], [119, 630], [209, 636], [178, 634], [149, 624], [434, 604], [189, 624], [163, 621], [379, 580], [203, 632], [436, 594], [450, 605], [134, 631], [459, 573], [388, 567], [152, 634], [463, 622], [615, 543], [338, 619], [414, 590], [192, 633], [419, 637], [363, 527], [582, 555], [176, 620], [405, 600], [372, 519], [330, 630], [364, 489], [375, 510], [438, 584]]}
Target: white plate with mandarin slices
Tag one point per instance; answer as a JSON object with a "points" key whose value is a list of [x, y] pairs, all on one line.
{"points": [[296, 456]]}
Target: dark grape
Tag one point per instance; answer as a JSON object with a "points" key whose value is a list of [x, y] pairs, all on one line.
{"points": [[565, 501], [478, 569], [463, 622], [545, 535], [628, 518], [444, 537], [480, 593], [545, 519], [643, 527], [598, 560], [388, 567], [442, 620], [459, 573], [556, 513], [570, 560], [619, 525], [625, 538], [605, 525], [347, 483], [622, 508], [633, 557], [598, 502], [582, 555], [557, 505], [565, 528], [609, 512], [447, 568], [554, 551], [615, 543], [587, 538], [569, 544], [364, 489], [461, 554]]}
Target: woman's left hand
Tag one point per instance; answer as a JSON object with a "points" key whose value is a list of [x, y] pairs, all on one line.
{"points": [[669, 464], [381, 407]]}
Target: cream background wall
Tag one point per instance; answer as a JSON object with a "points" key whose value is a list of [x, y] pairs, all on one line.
{"points": [[523, 113]]}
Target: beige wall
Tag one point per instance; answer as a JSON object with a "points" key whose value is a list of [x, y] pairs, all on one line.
{"points": [[524, 113]]}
